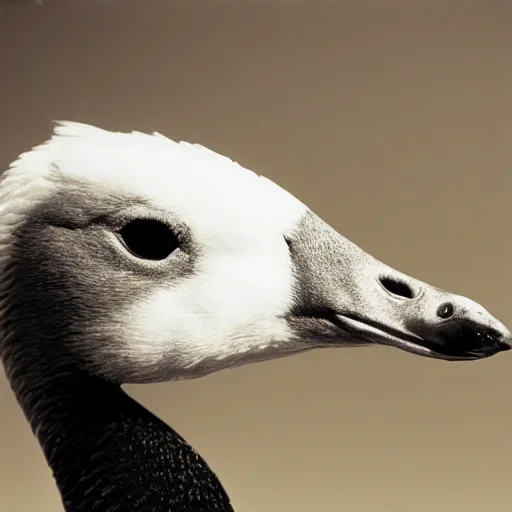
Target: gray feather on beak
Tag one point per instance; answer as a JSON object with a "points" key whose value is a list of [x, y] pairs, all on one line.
{"points": [[344, 295]]}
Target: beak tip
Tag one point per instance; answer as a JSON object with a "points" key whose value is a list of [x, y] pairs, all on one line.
{"points": [[506, 342], [504, 346]]}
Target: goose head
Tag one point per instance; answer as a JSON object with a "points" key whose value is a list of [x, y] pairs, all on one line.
{"points": [[150, 260]]}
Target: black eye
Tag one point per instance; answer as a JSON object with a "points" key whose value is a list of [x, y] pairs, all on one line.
{"points": [[149, 239]]}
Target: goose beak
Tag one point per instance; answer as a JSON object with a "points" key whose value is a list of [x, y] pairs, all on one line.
{"points": [[344, 296]]}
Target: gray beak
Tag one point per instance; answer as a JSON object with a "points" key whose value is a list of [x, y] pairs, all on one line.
{"points": [[344, 296]]}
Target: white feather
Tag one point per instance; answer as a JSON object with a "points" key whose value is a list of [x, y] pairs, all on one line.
{"points": [[231, 310]]}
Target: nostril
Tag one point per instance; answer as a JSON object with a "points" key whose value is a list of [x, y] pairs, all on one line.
{"points": [[445, 310], [397, 287]]}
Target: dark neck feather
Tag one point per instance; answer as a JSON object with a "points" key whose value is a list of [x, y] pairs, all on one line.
{"points": [[107, 452]]}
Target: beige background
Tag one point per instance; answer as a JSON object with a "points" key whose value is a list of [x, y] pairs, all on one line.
{"points": [[391, 119]]}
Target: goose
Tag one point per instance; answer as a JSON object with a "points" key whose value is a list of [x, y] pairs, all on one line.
{"points": [[131, 258]]}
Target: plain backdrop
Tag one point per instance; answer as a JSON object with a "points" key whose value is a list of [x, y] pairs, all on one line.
{"points": [[391, 120]]}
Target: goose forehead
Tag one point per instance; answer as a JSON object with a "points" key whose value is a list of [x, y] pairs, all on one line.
{"points": [[199, 186]]}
